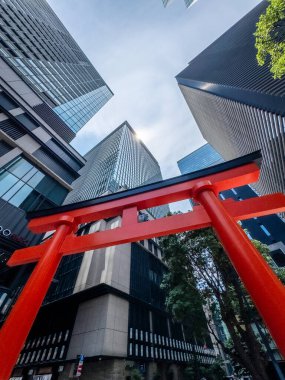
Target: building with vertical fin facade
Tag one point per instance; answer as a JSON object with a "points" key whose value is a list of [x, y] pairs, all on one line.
{"points": [[120, 161], [238, 106], [270, 230]]}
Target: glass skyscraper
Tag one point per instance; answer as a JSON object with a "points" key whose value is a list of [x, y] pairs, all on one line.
{"points": [[201, 158], [120, 161], [37, 45]]}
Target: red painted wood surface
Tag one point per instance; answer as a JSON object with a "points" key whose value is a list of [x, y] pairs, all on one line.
{"points": [[266, 290]]}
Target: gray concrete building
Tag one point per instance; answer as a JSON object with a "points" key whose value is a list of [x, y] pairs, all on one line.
{"points": [[238, 106]]}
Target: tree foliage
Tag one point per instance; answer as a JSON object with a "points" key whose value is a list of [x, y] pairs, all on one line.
{"points": [[196, 370], [270, 38], [200, 273]]}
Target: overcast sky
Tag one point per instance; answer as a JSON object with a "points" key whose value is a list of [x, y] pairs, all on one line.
{"points": [[138, 47]]}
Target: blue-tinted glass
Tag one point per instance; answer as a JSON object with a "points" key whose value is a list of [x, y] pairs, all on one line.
{"points": [[20, 168], [7, 180], [45, 186], [32, 201], [87, 104], [35, 180], [21, 195], [29, 174], [9, 194], [57, 194], [200, 159]]}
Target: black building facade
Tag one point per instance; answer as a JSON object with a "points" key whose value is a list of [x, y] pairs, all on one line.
{"points": [[238, 106]]}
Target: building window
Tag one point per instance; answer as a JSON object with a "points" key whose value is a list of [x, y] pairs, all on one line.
{"points": [[265, 230], [66, 335], [55, 352], [248, 235], [62, 352], [26, 187]]}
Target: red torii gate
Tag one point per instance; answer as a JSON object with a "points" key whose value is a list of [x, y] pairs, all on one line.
{"points": [[266, 290]]}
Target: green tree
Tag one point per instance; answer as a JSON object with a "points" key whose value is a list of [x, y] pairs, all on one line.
{"points": [[200, 272], [270, 38], [212, 372]]}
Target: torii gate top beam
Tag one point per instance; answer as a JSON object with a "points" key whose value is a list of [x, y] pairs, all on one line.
{"points": [[234, 173], [266, 290]]}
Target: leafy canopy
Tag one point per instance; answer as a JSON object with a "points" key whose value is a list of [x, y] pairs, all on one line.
{"points": [[270, 38]]}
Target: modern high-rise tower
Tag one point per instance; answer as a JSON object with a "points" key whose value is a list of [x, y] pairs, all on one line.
{"points": [[35, 43], [43, 73], [238, 106], [120, 161], [200, 158]]}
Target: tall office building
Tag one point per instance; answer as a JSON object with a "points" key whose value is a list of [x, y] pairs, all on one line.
{"points": [[37, 168], [35, 43], [238, 106], [201, 158], [270, 230], [120, 161], [37, 165], [107, 304], [188, 3]]}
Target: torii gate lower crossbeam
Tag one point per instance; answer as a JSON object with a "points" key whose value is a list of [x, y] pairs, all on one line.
{"points": [[266, 291]]}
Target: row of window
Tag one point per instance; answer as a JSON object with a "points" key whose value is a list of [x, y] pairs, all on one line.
{"points": [[149, 337], [8, 104], [263, 228], [25, 186], [50, 339], [166, 354], [47, 354], [152, 247]]}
